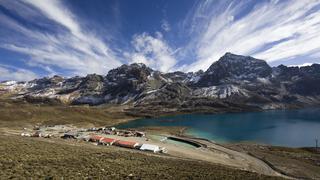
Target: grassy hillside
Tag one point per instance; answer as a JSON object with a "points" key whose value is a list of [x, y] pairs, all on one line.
{"points": [[17, 114], [302, 163], [42, 158]]}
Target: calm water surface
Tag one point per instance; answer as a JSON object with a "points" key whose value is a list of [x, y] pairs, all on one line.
{"points": [[294, 128]]}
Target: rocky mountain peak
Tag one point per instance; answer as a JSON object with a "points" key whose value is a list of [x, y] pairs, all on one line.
{"points": [[47, 82], [238, 64], [234, 67], [57, 78], [135, 71]]}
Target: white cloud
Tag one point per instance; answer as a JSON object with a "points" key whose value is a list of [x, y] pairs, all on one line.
{"points": [[272, 30], [11, 73], [290, 29], [152, 51], [55, 11], [165, 25], [301, 65], [78, 49]]}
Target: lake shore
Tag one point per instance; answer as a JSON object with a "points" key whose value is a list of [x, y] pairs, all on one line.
{"points": [[290, 128]]}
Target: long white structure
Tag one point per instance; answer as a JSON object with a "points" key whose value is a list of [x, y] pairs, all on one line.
{"points": [[150, 147]]}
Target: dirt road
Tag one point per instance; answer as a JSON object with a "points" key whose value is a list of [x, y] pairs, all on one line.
{"points": [[242, 160]]}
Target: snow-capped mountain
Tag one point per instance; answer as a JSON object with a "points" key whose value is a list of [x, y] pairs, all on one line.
{"points": [[233, 82]]}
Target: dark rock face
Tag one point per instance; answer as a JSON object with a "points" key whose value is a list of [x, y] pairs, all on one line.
{"points": [[123, 84], [287, 73], [177, 76], [233, 83], [90, 90], [234, 67], [47, 82], [92, 82], [70, 85], [307, 86], [138, 72], [303, 81], [170, 94]]}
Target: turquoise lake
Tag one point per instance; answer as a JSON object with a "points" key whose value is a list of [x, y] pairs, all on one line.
{"points": [[292, 128]]}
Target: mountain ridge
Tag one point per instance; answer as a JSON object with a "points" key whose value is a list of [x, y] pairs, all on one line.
{"points": [[233, 83]]}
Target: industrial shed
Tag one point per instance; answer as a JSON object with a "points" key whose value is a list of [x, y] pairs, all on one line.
{"points": [[95, 138], [126, 144], [107, 141], [150, 147]]}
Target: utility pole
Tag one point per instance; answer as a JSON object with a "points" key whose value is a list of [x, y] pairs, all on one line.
{"points": [[316, 144]]}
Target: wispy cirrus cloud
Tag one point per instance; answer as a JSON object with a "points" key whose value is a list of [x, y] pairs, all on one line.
{"points": [[53, 36], [271, 30], [70, 46], [152, 51]]}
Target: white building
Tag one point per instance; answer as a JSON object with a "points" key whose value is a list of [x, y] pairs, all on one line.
{"points": [[150, 147]]}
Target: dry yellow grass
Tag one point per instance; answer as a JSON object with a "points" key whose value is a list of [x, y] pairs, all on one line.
{"points": [[17, 114], [40, 158]]}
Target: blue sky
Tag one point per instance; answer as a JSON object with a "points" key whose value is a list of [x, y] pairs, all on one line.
{"points": [[47, 37]]}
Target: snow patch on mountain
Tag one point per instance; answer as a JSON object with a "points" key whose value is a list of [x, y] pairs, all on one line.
{"points": [[221, 92]]}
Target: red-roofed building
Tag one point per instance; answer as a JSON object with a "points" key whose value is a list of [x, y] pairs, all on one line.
{"points": [[107, 141], [95, 138], [126, 144]]}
